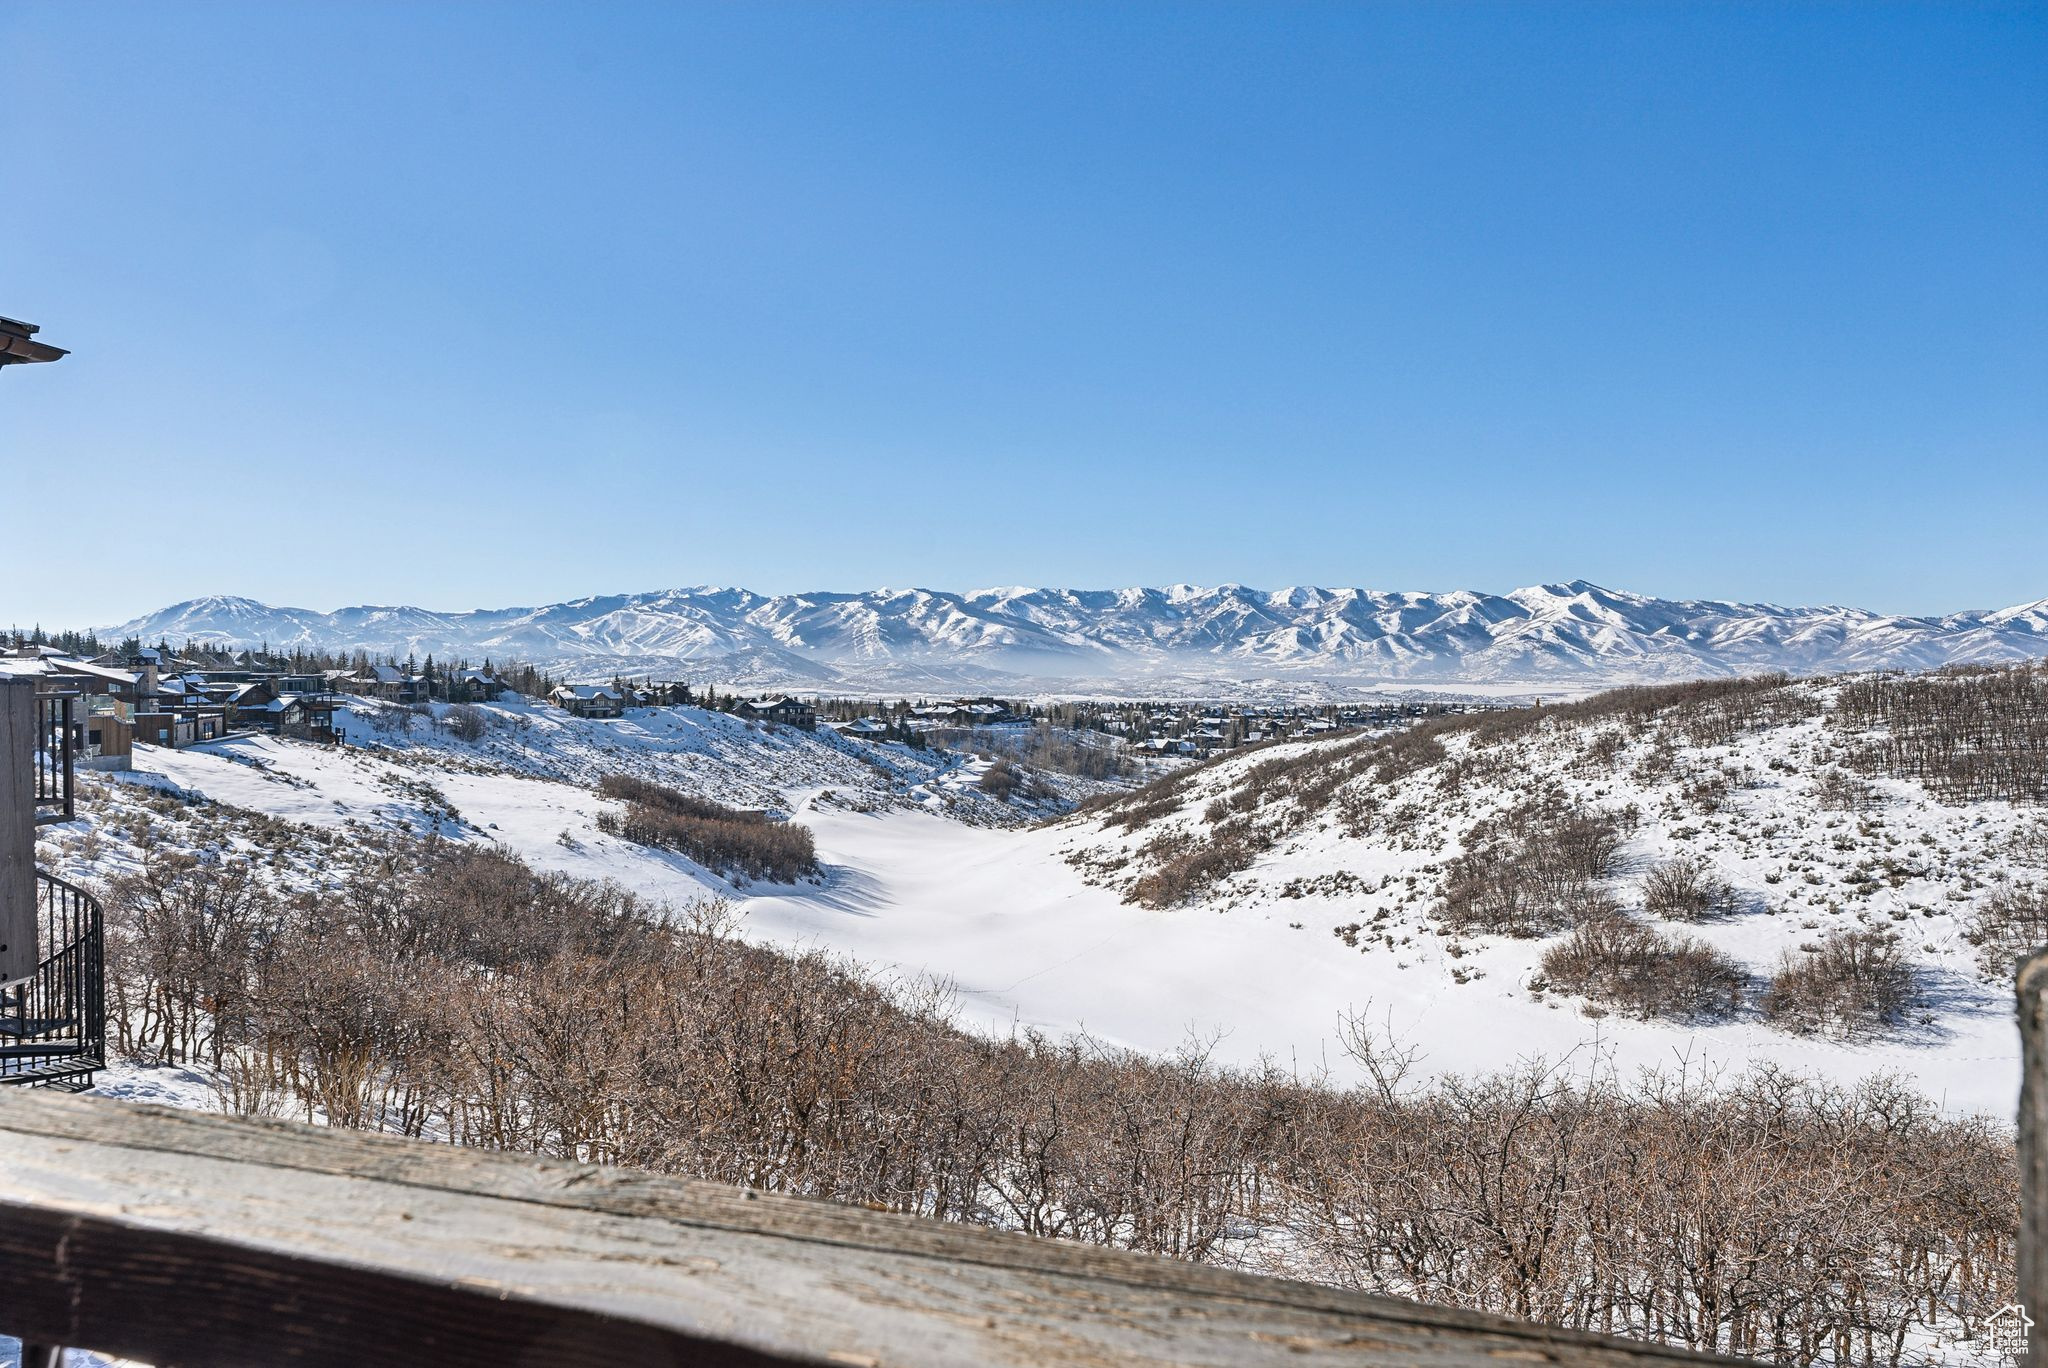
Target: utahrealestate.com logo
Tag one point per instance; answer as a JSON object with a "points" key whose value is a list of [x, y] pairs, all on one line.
{"points": [[2007, 1330]]}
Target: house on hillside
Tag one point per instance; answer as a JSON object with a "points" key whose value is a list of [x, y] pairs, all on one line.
{"points": [[287, 683], [967, 712], [68, 674], [308, 717], [100, 680], [106, 740], [790, 712], [101, 737], [590, 700], [394, 685], [481, 686], [255, 706], [262, 706], [179, 725]]}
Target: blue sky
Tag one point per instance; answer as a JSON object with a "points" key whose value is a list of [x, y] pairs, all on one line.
{"points": [[469, 305]]}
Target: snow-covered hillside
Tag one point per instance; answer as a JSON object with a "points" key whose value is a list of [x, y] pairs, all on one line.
{"points": [[1305, 878], [1175, 637], [1387, 852]]}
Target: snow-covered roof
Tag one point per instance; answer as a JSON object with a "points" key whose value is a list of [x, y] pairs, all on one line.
{"points": [[80, 667], [584, 693]]}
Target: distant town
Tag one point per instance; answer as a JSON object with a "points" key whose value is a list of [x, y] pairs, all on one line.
{"points": [[177, 697]]}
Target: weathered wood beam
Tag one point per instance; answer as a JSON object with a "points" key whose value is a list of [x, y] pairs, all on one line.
{"points": [[177, 1237]]}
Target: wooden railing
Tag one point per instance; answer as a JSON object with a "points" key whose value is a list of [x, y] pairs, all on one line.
{"points": [[199, 1240]]}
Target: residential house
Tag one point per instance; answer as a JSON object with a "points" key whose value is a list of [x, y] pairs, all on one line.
{"points": [[261, 706], [93, 680], [590, 700], [309, 717], [778, 708], [480, 686], [106, 741], [395, 685], [255, 706], [101, 737], [179, 726], [967, 712]]}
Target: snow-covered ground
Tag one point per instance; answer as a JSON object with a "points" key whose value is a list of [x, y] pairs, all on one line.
{"points": [[1029, 936], [1904, 863]]}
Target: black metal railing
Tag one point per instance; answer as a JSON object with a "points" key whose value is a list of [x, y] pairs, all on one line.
{"points": [[56, 744], [53, 1024]]}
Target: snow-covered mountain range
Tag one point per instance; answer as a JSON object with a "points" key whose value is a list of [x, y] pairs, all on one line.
{"points": [[987, 638]]}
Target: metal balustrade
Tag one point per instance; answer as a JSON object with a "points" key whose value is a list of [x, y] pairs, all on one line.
{"points": [[56, 743], [53, 1024]]}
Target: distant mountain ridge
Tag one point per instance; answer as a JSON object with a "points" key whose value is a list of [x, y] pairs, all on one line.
{"points": [[926, 639]]}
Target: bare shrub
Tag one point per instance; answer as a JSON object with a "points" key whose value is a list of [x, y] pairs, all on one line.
{"points": [[720, 838], [180, 934], [1855, 981], [1840, 791], [1043, 747], [1001, 780], [1149, 802], [2010, 924], [1687, 890], [467, 722], [392, 721], [1489, 896], [1185, 866], [1622, 964], [1968, 733], [431, 988], [1532, 870], [1744, 1217]]}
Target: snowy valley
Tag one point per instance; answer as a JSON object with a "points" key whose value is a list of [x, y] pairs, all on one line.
{"points": [[1259, 900], [1721, 942]]}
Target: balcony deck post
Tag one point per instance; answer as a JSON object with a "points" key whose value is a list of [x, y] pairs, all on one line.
{"points": [[18, 951]]}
